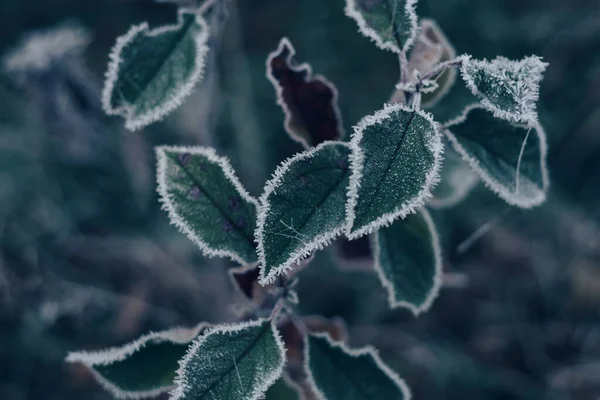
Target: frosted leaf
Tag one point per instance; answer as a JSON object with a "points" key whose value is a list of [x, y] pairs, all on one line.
{"points": [[309, 102], [143, 368], [39, 49], [206, 201], [339, 373], [391, 24], [231, 362], [284, 389], [457, 179], [408, 261], [510, 89], [302, 208], [151, 71], [509, 158], [395, 164]]}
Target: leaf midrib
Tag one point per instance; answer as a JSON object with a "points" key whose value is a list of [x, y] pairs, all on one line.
{"points": [[179, 38], [241, 356], [389, 165], [323, 200], [249, 239]]}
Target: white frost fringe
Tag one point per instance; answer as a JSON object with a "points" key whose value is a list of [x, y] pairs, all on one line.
{"points": [[352, 10], [525, 88], [316, 243], [181, 383], [117, 354], [416, 309], [368, 350], [304, 67], [134, 122], [169, 206], [357, 159], [502, 191]]}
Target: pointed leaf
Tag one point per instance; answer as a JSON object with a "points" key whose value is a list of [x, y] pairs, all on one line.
{"points": [[309, 102], [231, 362], [152, 71], [395, 163], [206, 201], [408, 261], [508, 88], [143, 368], [391, 24], [509, 158], [457, 179], [339, 373], [302, 208]]}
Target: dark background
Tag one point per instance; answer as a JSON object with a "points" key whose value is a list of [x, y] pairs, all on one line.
{"points": [[88, 259]]}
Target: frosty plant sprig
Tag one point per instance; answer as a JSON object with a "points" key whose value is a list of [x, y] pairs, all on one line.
{"points": [[377, 183]]}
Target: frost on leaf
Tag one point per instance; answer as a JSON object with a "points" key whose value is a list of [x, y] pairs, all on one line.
{"points": [[284, 389], [151, 71], [457, 179], [231, 362], [509, 158], [340, 373], [391, 24], [143, 368], [510, 89], [395, 164], [309, 102], [408, 261], [302, 208], [206, 201]]}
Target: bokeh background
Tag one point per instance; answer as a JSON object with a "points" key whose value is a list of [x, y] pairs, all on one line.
{"points": [[88, 259]]}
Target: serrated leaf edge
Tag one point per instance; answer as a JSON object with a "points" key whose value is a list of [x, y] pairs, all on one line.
{"points": [[528, 99], [167, 203], [181, 382], [317, 243], [132, 122], [367, 350], [491, 183], [352, 11], [416, 309], [357, 163], [112, 355], [304, 67]]}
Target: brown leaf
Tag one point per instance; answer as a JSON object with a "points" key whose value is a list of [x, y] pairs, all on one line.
{"points": [[309, 102]]}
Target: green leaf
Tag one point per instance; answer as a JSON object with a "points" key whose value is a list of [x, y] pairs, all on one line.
{"points": [[510, 89], [143, 368], [231, 362], [339, 373], [283, 389], [457, 179], [152, 71], [509, 158], [395, 164], [302, 208], [206, 201], [408, 261], [391, 24], [309, 102]]}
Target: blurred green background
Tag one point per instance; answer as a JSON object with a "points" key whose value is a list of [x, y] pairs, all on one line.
{"points": [[88, 259]]}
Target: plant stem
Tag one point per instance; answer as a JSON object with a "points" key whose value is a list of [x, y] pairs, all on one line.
{"points": [[441, 67]]}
